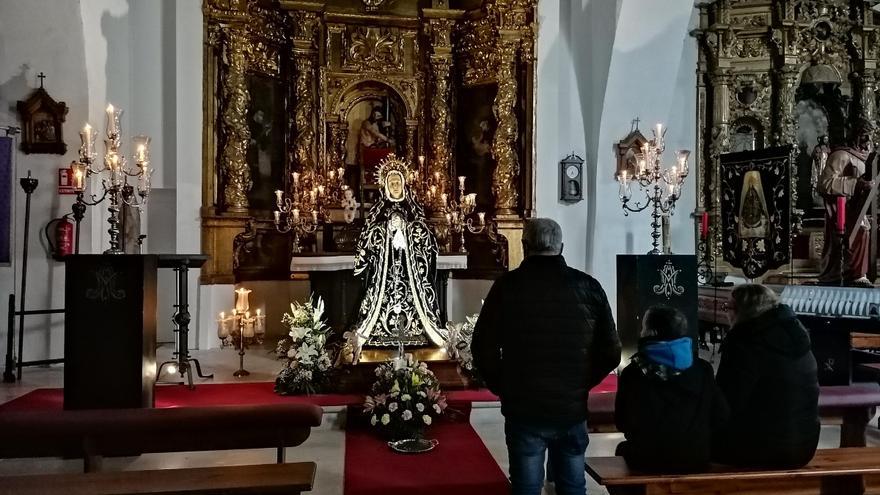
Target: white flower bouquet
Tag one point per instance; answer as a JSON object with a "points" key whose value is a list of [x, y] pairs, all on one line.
{"points": [[405, 399], [309, 364]]}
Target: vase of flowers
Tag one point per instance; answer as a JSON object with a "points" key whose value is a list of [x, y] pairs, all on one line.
{"points": [[405, 399], [308, 366], [458, 347]]}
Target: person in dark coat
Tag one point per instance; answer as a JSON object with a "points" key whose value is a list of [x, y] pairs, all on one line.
{"points": [[768, 375], [667, 403], [544, 338]]}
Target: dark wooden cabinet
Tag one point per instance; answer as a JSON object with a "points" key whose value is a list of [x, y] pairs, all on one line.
{"points": [[109, 331], [644, 280]]}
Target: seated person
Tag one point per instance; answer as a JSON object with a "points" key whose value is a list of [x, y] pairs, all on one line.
{"points": [[667, 404], [768, 375]]}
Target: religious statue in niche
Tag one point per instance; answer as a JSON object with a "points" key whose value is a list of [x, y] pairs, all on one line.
{"points": [[628, 151], [845, 175], [396, 256], [42, 120], [476, 131], [819, 158]]}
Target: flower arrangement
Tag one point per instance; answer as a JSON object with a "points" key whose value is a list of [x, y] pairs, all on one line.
{"points": [[405, 399], [308, 360], [458, 346]]}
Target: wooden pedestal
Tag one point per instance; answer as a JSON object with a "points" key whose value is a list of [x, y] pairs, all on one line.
{"points": [[109, 331]]}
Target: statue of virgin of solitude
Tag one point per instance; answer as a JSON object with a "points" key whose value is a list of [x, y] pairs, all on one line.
{"points": [[396, 257]]}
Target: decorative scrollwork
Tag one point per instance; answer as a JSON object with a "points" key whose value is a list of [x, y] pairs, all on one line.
{"points": [[479, 58], [373, 49]]}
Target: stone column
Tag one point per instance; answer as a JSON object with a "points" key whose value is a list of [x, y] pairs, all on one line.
{"points": [[303, 147], [441, 64], [235, 100]]}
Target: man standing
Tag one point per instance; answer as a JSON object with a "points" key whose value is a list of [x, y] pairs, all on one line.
{"points": [[544, 338], [845, 175]]}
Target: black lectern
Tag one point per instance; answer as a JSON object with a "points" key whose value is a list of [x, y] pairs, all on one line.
{"points": [[109, 331]]}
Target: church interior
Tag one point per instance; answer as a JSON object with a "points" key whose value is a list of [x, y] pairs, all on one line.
{"points": [[234, 232]]}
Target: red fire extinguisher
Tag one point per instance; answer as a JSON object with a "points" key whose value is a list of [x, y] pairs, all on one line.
{"points": [[63, 237]]}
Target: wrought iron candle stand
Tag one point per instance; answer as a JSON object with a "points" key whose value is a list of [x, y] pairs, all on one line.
{"points": [[118, 190], [458, 213], [652, 178], [292, 214]]}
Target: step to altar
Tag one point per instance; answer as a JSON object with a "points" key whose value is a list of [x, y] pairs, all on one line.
{"points": [[358, 378]]}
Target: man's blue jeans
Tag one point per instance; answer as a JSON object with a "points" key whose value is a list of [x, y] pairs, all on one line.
{"points": [[526, 448]]}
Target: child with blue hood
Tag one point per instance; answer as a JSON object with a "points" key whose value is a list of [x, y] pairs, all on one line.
{"points": [[668, 405]]}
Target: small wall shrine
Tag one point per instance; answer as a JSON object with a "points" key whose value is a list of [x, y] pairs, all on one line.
{"points": [[304, 99]]}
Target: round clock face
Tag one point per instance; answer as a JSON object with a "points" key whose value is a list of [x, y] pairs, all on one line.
{"points": [[571, 171]]}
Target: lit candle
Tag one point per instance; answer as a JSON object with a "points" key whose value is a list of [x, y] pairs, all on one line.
{"points": [[471, 199], [241, 301], [295, 178], [421, 161], [461, 183], [222, 326], [78, 179], [481, 216], [642, 167], [437, 177], [277, 217], [841, 214], [341, 173], [278, 195], [671, 190], [248, 326], [704, 225], [332, 174], [141, 154], [320, 190], [86, 138], [659, 130], [111, 120]]}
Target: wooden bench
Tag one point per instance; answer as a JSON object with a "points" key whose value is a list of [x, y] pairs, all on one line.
{"points": [[851, 406], [831, 472], [92, 434], [268, 479]]}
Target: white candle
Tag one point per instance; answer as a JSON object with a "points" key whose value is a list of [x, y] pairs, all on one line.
{"points": [[111, 120], [278, 196], [320, 190], [277, 217], [421, 161], [437, 176], [332, 174], [659, 130], [78, 179], [295, 178], [86, 137], [241, 301], [248, 325], [461, 183], [482, 217], [340, 173], [222, 326], [141, 154]]}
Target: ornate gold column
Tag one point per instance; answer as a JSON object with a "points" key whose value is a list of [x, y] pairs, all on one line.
{"points": [[411, 144], [505, 180], [336, 145], [788, 79], [235, 97], [441, 64], [303, 147]]}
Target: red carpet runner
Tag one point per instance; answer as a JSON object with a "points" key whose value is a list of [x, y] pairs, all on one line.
{"points": [[217, 394], [460, 464]]}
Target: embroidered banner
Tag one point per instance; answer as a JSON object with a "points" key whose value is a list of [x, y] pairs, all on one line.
{"points": [[6, 150]]}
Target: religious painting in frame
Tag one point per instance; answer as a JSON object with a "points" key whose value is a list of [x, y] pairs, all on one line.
{"points": [[756, 209], [265, 152], [476, 127], [42, 120]]}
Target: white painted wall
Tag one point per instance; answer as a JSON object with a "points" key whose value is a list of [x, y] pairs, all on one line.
{"points": [[41, 36]]}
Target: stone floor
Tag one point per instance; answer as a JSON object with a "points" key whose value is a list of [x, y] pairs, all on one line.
{"points": [[325, 446]]}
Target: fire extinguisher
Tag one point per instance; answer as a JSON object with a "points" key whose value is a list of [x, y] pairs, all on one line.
{"points": [[63, 237]]}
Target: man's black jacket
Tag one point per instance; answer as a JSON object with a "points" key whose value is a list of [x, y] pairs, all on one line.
{"points": [[544, 338]]}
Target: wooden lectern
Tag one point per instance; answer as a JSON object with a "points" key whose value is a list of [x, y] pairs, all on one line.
{"points": [[109, 331]]}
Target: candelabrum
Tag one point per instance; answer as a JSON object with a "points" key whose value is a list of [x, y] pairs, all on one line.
{"points": [[116, 186], [241, 329], [662, 186], [300, 214], [458, 214]]}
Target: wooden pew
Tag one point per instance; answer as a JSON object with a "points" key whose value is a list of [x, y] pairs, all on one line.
{"points": [[268, 479], [843, 471], [92, 434], [851, 406]]}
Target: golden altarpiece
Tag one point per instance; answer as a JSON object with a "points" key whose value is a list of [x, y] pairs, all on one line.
{"points": [[305, 93], [772, 74]]}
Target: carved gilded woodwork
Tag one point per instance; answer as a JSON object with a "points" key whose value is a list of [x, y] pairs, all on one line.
{"points": [[324, 58], [236, 176], [504, 144]]}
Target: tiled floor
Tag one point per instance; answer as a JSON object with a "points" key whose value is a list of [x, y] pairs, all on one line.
{"points": [[326, 446]]}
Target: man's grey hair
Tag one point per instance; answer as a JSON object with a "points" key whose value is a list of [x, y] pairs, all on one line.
{"points": [[543, 236], [752, 300]]}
